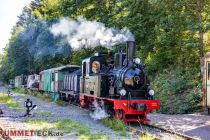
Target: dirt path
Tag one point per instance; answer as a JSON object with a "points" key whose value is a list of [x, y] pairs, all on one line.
{"points": [[196, 125]]}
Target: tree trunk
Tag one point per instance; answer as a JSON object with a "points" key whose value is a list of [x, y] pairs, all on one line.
{"points": [[201, 33]]}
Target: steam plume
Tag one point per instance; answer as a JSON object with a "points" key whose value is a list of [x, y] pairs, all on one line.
{"points": [[83, 33], [99, 112]]}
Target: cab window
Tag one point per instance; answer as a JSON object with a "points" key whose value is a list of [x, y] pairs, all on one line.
{"points": [[84, 68], [96, 67]]}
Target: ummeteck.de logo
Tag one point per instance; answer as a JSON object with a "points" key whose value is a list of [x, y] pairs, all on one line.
{"points": [[29, 133]]}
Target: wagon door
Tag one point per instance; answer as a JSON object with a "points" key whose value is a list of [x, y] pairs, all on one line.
{"points": [[41, 82], [52, 83], [208, 84]]}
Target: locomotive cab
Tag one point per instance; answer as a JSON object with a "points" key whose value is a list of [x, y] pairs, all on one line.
{"points": [[94, 78]]}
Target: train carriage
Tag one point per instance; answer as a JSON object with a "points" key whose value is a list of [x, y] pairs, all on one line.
{"points": [[70, 87], [206, 81], [51, 79], [33, 82], [21, 81]]}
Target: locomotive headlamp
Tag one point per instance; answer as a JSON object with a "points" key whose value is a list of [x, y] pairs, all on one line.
{"points": [[151, 92], [137, 60], [122, 92]]}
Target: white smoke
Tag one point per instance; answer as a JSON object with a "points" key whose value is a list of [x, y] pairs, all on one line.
{"points": [[99, 113], [82, 33]]}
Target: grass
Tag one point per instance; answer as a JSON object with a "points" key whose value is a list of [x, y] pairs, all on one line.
{"points": [[39, 95], [81, 130], [146, 137], [116, 125], [47, 98], [68, 126], [60, 103], [122, 128], [44, 113], [40, 123], [19, 90], [8, 100], [18, 108]]}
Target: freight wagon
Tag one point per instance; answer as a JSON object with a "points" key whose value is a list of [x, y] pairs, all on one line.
{"points": [[51, 79], [71, 87]]}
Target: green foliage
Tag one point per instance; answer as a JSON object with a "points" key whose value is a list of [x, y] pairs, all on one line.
{"points": [[19, 90], [44, 113], [178, 90], [80, 129], [67, 126], [116, 125], [8, 101]]}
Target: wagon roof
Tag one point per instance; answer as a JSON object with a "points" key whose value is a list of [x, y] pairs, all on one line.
{"points": [[61, 68]]}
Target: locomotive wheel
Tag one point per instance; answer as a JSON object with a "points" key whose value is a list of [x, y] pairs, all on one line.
{"points": [[119, 114]]}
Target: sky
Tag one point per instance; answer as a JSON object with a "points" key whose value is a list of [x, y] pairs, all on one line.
{"points": [[9, 10]]}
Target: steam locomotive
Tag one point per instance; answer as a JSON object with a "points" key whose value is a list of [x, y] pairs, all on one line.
{"points": [[115, 83]]}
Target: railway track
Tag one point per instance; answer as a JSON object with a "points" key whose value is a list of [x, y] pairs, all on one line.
{"points": [[170, 133], [158, 133], [3, 128]]}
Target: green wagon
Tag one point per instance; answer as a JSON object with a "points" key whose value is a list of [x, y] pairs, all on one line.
{"points": [[51, 79]]}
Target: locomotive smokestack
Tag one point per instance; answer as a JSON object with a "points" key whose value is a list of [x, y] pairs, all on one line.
{"points": [[130, 50]]}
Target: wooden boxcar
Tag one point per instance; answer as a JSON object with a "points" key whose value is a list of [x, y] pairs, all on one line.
{"points": [[206, 81], [51, 79]]}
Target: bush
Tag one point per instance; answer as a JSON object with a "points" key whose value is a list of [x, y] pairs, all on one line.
{"points": [[178, 89]]}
